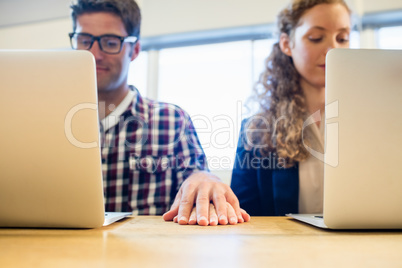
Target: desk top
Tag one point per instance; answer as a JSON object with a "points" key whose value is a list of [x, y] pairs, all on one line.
{"points": [[149, 241]]}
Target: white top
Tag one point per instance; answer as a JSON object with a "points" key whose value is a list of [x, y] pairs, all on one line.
{"points": [[311, 172], [114, 117]]}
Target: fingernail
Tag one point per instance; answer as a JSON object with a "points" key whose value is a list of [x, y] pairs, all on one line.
{"points": [[212, 221], [233, 220], [183, 219], [204, 219], [223, 219]]}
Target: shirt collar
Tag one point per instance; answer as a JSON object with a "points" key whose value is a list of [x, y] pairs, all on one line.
{"points": [[114, 117]]}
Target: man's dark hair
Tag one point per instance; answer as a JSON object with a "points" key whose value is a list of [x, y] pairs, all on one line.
{"points": [[127, 10]]}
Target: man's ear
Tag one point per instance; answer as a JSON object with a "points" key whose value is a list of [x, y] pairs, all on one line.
{"points": [[135, 50], [284, 44]]}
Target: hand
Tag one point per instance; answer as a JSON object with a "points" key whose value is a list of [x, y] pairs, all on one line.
{"points": [[213, 217], [201, 188]]}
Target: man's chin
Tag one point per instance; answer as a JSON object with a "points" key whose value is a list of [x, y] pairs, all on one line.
{"points": [[104, 88]]}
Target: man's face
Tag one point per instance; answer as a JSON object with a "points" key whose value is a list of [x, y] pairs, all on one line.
{"points": [[111, 70]]}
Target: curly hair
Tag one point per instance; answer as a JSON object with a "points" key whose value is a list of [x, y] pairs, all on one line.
{"points": [[278, 126]]}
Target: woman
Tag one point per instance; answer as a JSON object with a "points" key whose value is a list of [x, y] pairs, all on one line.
{"points": [[274, 171]]}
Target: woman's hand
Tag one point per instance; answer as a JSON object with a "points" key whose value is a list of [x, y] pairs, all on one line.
{"points": [[213, 217]]}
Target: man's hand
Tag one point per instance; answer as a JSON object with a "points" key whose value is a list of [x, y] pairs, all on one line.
{"points": [[201, 188], [213, 217]]}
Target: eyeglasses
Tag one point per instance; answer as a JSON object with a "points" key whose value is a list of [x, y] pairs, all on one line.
{"points": [[108, 43]]}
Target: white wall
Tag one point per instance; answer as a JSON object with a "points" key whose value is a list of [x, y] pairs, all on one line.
{"points": [[40, 35], [171, 16], [174, 16], [379, 5]]}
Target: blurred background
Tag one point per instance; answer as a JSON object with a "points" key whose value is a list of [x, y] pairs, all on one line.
{"points": [[203, 55]]}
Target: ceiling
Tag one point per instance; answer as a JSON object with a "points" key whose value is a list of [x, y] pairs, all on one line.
{"points": [[14, 12]]}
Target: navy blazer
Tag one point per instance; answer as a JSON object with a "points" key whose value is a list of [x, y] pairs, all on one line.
{"points": [[263, 187]]}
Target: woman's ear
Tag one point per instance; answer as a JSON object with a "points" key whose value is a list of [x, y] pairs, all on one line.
{"points": [[284, 44]]}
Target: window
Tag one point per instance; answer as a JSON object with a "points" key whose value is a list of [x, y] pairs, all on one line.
{"points": [[390, 37], [211, 82], [261, 50], [354, 41], [137, 75]]}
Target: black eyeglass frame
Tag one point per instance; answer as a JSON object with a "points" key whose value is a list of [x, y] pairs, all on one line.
{"points": [[128, 39]]}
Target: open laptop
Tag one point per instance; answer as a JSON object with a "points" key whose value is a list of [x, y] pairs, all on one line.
{"points": [[362, 170], [50, 161]]}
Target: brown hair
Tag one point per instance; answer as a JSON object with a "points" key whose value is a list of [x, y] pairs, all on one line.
{"points": [[127, 10], [278, 126]]}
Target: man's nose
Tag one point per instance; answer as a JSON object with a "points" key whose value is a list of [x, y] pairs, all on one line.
{"points": [[96, 50]]}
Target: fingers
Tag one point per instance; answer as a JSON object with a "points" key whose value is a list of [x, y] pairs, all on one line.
{"points": [[172, 213], [186, 204], [193, 217], [234, 202], [202, 188], [202, 207], [213, 218], [221, 209], [231, 214], [245, 215]]}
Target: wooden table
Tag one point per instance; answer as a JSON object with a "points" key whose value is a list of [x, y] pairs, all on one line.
{"points": [[147, 241]]}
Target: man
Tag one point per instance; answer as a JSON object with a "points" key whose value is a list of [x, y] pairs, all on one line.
{"points": [[149, 149]]}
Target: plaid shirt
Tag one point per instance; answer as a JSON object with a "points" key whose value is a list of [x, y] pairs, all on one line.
{"points": [[148, 149]]}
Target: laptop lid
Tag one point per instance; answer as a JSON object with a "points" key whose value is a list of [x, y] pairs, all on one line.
{"points": [[50, 166], [362, 173]]}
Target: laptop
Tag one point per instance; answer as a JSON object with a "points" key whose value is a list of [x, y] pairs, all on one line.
{"points": [[362, 163], [50, 161]]}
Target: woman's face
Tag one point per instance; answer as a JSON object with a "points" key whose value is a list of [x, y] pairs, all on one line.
{"points": [[320, 29]]}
